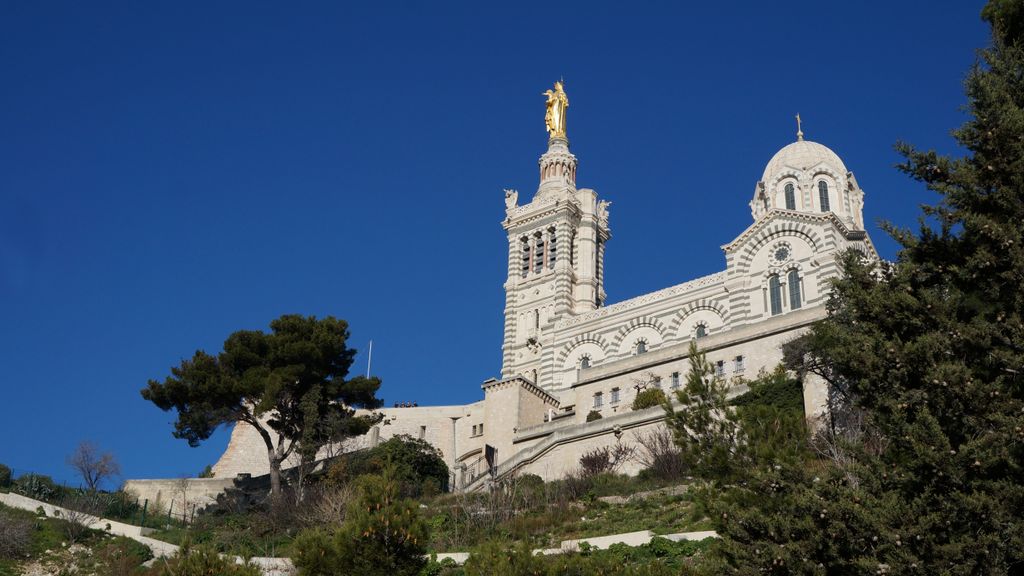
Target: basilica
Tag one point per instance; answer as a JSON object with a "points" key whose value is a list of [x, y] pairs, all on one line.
{"points": [[568, 356]]}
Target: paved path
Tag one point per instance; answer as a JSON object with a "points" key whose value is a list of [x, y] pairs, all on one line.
{"points": [[284, 567], [161, 549]]}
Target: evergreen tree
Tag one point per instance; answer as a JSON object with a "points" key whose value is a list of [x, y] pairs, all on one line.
{"points": [[929, 353], [704, 426], [383, 535], [285, 384]]}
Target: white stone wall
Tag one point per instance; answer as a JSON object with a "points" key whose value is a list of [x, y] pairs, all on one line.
{"points": [[179, 496]]}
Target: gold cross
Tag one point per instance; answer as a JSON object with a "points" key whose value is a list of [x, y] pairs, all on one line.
{"points": [[799, 132]]}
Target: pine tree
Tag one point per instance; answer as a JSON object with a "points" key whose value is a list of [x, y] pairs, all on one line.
{"points": [[383, 535], [704, 426], [929, 351]]}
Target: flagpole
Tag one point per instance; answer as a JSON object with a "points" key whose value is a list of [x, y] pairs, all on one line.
{"points": [[369, 359]]}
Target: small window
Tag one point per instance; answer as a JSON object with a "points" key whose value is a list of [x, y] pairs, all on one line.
{"points": [[525, 251], [598, 400], [775, 294], [572, 249], [675, 380], [584, 362], [794, 289], [823, 195], [481, 427], [790, 197], [538, 253], [615, 395], [739, 364], [702, 330], [552, 248], [641, 347], [720, 368]]}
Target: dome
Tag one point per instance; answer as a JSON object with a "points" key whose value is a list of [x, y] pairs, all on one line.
{"points": [[801, 155]]}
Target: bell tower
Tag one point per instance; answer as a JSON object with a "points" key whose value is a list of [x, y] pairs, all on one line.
{"points": [[555, 255]]}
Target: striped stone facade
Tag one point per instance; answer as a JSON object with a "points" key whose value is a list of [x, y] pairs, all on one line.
{"points": [[566, 354]]}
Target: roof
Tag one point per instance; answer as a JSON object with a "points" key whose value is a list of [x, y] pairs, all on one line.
{"points": [[801, 155]]}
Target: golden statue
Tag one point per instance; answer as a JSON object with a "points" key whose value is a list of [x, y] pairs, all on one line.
{"points": [[554, 118]]}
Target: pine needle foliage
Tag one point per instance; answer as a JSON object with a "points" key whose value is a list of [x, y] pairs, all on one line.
{"points": [[924, 474], [704, 426], [383, 534]]}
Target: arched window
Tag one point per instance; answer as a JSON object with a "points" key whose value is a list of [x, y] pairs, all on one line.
{"points": [[823, 195], [702, 331], [641, 347], [584, 362], [775, 294], [790, 197], [794, 289]]}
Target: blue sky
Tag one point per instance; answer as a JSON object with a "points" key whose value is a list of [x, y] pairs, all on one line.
{"points": [[173, 171]]}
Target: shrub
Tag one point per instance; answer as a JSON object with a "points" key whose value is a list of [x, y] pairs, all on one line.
{"points": [[648, 399], [593, 415], [201, 561], [326, 504], [15, 535], [659, 455], [419, 465], [122, 556], [81, 511], [35, 486], [776, 389], [498, 559], [5, 476], [531, 484], [382, 535], [121, 505], [605, 459]]}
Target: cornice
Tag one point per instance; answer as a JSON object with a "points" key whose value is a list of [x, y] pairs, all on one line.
{"points": [[539, 209], [702, 282], [794, 216], [520, 382]]}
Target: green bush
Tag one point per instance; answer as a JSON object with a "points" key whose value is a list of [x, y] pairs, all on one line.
{"points": [[660, 557], [122, 556], [648, 399], [593, 415], [201, 561], [419, 465], [36, 486], [383, 535], [775, 388], [498, 559], [5, 476]]}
